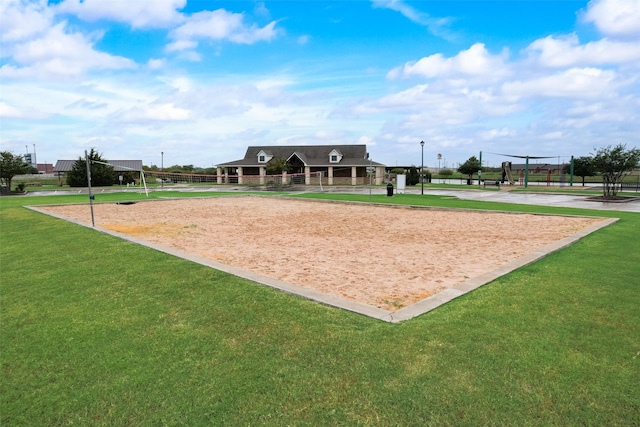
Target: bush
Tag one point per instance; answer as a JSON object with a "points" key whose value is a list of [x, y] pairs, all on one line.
{"points": [[413, 177]]}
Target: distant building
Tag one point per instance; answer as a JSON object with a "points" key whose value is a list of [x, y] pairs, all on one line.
{"points": [[45, 168], [64, 166], [339, 164]]}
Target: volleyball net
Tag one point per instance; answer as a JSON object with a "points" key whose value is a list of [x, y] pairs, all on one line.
{"points": [[310, 181]]}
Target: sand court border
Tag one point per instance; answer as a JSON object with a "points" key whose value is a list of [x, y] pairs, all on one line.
{"points": [[389, 262]]}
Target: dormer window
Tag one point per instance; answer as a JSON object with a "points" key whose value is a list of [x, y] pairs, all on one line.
{"points": [[264, 157], [335, 156]]}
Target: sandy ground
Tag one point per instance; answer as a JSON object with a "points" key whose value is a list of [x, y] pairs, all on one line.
{"points": [[382, 256]]}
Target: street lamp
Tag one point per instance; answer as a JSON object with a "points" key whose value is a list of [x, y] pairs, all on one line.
{"points": [[162, 168], [422, 168]]}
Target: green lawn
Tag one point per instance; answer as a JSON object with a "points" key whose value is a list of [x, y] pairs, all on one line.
{"points": [[98, 331]]}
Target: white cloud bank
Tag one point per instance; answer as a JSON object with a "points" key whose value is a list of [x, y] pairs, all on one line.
{"points": [[557, 94], [615, 18], [218, 25], [475, 61], [137, 13]]}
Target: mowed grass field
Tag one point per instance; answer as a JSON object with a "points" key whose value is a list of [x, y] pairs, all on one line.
{"points": [[97, 331]]}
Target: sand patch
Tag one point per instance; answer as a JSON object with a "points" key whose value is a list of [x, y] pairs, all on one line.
{"points": [[386, 257]]}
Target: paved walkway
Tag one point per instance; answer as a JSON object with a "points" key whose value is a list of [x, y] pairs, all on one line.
{"points": [[518, 197], [548, 199]]}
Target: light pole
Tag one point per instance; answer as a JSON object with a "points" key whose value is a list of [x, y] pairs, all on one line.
{"points": [[422, 168], [162, 168]]}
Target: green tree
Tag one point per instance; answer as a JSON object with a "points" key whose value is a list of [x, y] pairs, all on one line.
{"points": [[613, 164], [471, 166], [10, 166], [101, 173], [127, 176], [413, 177], [582, 167], [210, 171], [277, 165]]}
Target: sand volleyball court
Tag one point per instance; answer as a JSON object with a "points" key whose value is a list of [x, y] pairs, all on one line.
{"points": [[382, 256]]}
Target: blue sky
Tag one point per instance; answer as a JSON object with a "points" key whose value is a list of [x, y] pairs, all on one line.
{"points": [[202, 80]]}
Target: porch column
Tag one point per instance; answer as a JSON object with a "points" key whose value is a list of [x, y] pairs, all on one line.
{"points": [[263, 173], [330, 177], [379, 175], [307, 176], [219, 175], [239, 174], [354, 176]]}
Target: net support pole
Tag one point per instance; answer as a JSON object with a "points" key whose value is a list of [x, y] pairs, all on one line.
{"points": [[571, 173], [526, 173], [144, 182], [480, 170], [86, 159]]}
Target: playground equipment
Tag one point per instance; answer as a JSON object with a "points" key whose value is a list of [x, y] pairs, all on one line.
{"points": [[506, 173]]}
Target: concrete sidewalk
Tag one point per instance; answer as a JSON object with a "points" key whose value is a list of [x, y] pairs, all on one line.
{"points": [[542, 199], [505, 196]]}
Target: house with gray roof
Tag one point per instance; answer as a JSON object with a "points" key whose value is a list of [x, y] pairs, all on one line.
{"points": [[64, 166], [336, 164]]}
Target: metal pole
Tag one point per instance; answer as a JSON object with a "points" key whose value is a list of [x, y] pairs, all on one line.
{"points": [[162, 168], [571, 173], [86, 159], [422, 168], [480, 170]]}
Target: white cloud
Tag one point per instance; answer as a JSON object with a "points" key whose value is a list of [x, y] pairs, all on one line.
{"points": [[179, 45], [218, 25], [58, 54], [572, 83], [22, 20], [436, 26], [9, 111], [302, 40], [367, 140], [156, 64], [475, 61], [615, 18], [162, 112], [567, 51], [138, 14], [497, 133], [400, 6], [181, 84]]}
